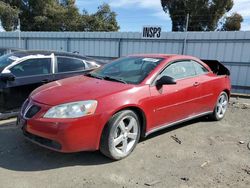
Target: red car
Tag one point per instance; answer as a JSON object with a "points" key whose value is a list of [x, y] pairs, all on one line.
{"points": [[132, 97]]}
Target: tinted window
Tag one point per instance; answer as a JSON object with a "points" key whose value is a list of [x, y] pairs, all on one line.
{"points": [[69, 64], [200, 69], [179, 70], [32, 67]]}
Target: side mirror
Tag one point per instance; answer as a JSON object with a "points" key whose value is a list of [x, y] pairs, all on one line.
{"points": [[165, 80], [7, 77]]}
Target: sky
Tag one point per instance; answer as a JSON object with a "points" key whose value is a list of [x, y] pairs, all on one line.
{"points": [[132, 15]]}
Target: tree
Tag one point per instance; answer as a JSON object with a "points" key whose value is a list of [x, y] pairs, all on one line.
{"points": [[103, 20], [8, 16], [204, 15], [60, 15], [67, 2], [232, 23], [56, 17]]}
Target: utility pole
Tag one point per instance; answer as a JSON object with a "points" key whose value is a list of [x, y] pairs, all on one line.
{"points": [[19, 33], [187, 22], [186, 35]]}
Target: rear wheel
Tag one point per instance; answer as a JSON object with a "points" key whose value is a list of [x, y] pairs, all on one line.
{"points": [[221, 107], [121, 135]]}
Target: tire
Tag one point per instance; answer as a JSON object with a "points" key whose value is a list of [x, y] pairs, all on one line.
{"points": [[121, 135], [220, 107]]}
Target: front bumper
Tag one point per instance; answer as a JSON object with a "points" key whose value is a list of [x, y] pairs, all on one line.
{"points": [[63, 135]]}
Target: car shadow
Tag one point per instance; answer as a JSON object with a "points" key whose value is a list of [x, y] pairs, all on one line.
{"points": [[177, 126], [18, 154]]}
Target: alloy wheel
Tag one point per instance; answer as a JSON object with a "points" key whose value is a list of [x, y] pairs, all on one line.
{"points": [[125, 135], [221, 106]]}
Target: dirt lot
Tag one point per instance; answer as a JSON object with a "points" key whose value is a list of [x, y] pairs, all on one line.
{"points": [[211, 154]]}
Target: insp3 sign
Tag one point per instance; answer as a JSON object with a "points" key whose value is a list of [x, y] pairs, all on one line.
{"points": [[151, 32]]}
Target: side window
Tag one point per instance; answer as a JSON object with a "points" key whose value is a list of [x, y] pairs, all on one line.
{"points": [[32, 67], [179, 70], [66, 64], [200, 69]]}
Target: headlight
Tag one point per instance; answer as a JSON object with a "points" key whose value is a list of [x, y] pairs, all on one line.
{"points": [[72, 110]]}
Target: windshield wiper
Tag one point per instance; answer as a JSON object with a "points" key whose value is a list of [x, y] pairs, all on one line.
{"points": [[94, 76], [114, 79], [106, 78]]}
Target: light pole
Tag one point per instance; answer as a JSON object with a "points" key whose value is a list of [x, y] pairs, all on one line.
{"points": [[186, 35], [19, 33]]}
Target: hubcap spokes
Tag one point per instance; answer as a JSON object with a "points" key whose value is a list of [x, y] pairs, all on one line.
{"points": [[221, 106], [125, 135]]}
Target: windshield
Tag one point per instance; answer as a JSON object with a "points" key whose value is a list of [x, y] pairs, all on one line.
{"points": [[6, 60], [132, 70]]}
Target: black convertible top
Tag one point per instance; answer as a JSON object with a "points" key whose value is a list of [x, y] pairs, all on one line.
{"points": [[217, 67]]}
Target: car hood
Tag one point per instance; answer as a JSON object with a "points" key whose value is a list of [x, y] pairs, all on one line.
{"points": [[76, 89]]}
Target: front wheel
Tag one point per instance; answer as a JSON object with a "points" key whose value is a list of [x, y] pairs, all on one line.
{"points": [[121, 135], [221, 107]]}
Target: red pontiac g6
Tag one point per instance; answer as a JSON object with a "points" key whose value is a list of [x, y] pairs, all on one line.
{"points": [[132, 97]]}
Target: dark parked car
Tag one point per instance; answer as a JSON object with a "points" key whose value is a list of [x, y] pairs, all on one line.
{"points": [[21, 72]]}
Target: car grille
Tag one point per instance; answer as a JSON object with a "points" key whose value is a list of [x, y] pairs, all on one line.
{"points": [[32, 111], [24, 106]]}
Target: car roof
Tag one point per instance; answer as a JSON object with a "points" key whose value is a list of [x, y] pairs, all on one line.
{"points": [[23, 53], [164, 56], [44, 52]]}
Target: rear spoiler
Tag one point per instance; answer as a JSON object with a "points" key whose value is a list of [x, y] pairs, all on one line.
{"points": [[217, 67]]}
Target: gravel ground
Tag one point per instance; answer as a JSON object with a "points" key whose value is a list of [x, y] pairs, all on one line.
{"points": [[211, 154]]}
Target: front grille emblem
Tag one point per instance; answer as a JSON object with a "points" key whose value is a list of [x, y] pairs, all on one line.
{"points": [[31, 110]]}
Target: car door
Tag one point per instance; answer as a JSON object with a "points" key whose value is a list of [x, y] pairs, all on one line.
{"points": [[69, 66], [207, 87], [173, 103], [29, 74]]}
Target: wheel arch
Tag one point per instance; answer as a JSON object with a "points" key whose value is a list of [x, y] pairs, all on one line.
{"points": [[227, 92], [141, 116]]}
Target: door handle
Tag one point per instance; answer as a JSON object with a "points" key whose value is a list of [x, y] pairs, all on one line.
{"points": [[45, 81], [196, 84]]}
